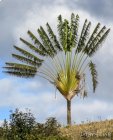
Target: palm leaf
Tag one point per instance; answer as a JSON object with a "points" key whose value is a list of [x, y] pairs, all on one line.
{"points": [[74, 29], [98, 44], [53, 38], [96, 40], [32, 47], [20, 74], [20, 70], [95, 32], [37, 42], [60, 29], [21, 66], [27, 54], [93, 72], [27, 60], [66, 36], [81, 36], [50, 45], [46, 43]]}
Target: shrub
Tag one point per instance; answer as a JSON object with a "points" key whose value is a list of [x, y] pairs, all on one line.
{"points": [[20, 125]]}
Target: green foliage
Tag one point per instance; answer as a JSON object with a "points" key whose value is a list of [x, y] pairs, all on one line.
{"points": [[22, 126], [2, 133], [5, 130], [51, 127], [42, 49], [93, 74], [84, 36], [21, 70], [79, 47], [53, 38]]}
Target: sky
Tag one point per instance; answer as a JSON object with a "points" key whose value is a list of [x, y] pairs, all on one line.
{"points": [[37, 94]]}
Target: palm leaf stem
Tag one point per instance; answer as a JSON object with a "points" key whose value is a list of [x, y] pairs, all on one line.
{"points": [[47, 68], [48, 74], [83, 70], [59, 62], [63, 61], [83, 63], [42, 75], [81, 56], [57, 66], [74, 60]]}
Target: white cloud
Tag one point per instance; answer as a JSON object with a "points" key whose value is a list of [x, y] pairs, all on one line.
{"points": [[44, 104], [1, 122], [36, 17]]}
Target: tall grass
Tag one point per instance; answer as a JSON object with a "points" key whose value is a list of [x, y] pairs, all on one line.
{"points": [[102, 130]]}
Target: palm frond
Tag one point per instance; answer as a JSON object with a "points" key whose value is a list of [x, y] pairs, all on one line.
{"points": [[32, 47], [96, 40], [20, 70], [50, 45], [74, 29], [21, 66], [99, 43], [53, 38], [82, 33], [95, 32], [27, 60], [45, 43], [60, 29], [37, 42], [20, 74], [66, 36], [28, 54], [94, 75], [84, 36]]}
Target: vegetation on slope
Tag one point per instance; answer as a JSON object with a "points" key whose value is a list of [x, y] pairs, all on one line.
{"points": [[23, 126], [92, 130]]}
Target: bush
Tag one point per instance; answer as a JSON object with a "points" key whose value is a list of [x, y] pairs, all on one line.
{"points": [[47, 131], [51, 127], [22, 126]]}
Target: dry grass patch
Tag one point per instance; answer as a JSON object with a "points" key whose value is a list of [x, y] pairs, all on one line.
{"points": [[92, 130]]}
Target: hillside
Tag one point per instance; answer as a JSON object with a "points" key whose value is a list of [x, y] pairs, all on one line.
{"points": [[92, 130]]}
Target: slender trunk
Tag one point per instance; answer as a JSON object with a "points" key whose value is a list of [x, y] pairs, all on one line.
{"points": [[68, 112]]}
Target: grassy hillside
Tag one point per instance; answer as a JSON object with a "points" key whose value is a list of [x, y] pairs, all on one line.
{"points": [[23, 126], [102, 130]]}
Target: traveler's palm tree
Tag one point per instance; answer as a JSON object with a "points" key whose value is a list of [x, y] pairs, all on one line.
{"points": [[61, 60]]}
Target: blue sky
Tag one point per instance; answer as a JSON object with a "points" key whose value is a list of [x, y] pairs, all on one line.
{"points": [[16, 17]]}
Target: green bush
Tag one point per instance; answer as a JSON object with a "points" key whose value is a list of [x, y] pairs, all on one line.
{"points": [[22, 126]]}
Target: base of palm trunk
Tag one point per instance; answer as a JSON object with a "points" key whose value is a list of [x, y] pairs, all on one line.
{"points": [[68, 112]]}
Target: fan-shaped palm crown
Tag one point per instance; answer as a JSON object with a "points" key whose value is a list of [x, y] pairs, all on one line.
{"points": [[61, 60]]}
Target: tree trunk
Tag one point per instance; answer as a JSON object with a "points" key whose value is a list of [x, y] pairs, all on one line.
{"points": [[68, 112]]}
